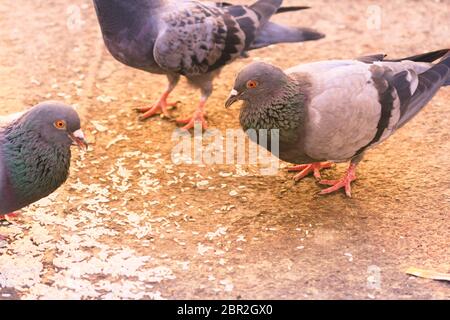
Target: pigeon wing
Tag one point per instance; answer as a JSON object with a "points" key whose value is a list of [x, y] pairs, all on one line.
{"points": [[355, 105], [197, 39]]}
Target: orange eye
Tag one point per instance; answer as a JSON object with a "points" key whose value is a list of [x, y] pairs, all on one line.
{"points": [[252, 84], [60, 124]]}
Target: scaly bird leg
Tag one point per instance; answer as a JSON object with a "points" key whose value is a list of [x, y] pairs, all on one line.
{"points": [[198, 116], [204, 82], [344, 182], [306, 169], [161, 106]]}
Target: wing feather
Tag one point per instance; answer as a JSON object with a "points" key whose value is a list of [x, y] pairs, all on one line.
{"points": [[198, 39]]}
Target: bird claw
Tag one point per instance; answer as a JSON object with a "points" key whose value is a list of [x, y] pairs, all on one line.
{"points": [[12, 215], [306, 169], [161, 107], [344, 182], [198, 117]]}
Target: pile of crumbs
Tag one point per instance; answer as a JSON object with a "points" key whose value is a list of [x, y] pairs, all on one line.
{"points": [[85, 242]]}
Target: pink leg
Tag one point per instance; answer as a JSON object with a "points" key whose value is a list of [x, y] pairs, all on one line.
{"points": [[159, 107], [344, 182], [198, 116], [306, 169]]}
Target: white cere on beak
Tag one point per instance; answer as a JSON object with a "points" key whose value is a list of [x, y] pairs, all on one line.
{"points": [[78, 134], [232, 98]]}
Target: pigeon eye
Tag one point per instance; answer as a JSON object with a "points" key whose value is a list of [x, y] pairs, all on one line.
{"points": [[252, 84], [60, 124]]}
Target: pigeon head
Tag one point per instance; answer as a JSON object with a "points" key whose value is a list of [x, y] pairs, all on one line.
{"points": [[56, 124], [256, 82]]}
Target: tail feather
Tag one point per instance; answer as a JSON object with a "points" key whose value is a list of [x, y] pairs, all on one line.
{"points": [[291, 8], [429, 83], [272, 33], [425, 57]]}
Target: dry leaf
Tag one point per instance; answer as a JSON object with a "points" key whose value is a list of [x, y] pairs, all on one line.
{"points": [[428, 274]]}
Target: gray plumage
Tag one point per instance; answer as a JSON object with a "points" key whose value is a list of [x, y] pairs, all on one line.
{"points": [[335, 110], [35, 153], [190, 38]]}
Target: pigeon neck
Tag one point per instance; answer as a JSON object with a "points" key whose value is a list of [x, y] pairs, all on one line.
{"points": [[283, 111], [34, 168]]}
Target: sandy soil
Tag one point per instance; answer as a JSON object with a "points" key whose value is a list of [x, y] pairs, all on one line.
{"points": [[131, 224]]}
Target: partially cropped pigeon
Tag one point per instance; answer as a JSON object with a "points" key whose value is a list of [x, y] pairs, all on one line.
{"points": [[335, 110], [35, 153], [190, 38]]}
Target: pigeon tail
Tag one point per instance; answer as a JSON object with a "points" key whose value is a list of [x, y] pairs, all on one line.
{"points": [[429, 83], [272, 33], [423, 57], [426, 57], [291, 8]]}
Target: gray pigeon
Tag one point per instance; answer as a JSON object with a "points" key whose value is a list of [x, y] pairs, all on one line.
{"points": [[190, 38], [335, 110], [35, 154]]}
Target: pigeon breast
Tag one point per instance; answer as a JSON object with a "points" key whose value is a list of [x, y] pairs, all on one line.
{"points": [[29, 168]]}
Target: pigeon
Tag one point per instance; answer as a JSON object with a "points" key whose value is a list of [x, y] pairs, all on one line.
{"points": [[333, 111], [190, 38], [35, 153]]}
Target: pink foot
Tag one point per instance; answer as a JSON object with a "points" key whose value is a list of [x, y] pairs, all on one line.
{"points": [[306, 169], [3, 238], [12, 215], [344, 182], [198, 116], [9, 216], [159, 107]]}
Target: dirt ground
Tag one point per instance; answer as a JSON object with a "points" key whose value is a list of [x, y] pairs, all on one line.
{"points": [[131, 224]]}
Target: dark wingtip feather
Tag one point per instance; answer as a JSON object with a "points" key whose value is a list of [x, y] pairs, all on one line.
{"points": [[429, 83], [425, 57], [291, 8]]}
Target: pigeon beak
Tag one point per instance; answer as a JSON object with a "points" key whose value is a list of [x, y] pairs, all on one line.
{"points": [[78, 139], [232, 98]]}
